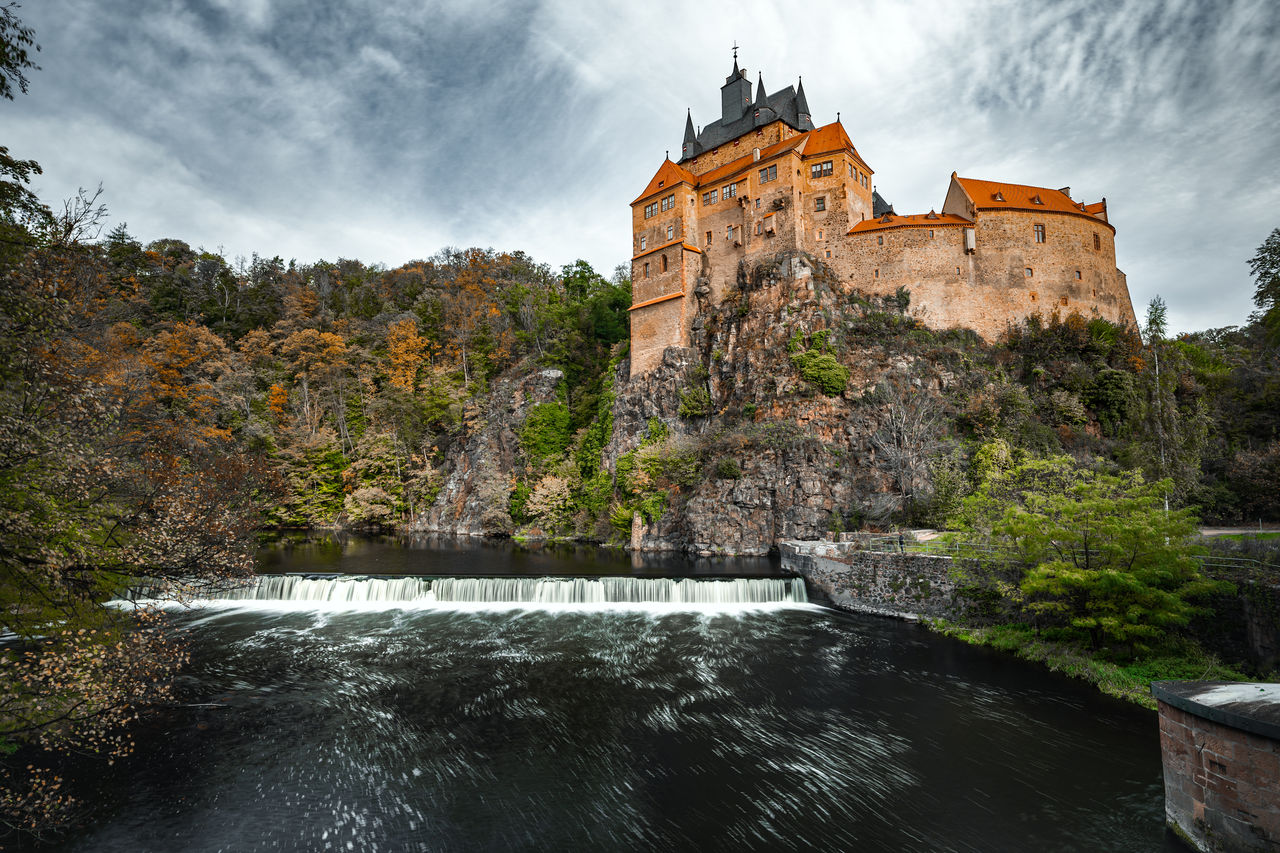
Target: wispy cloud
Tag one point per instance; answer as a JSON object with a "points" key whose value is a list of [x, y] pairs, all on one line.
{"points": [[385, 130]]}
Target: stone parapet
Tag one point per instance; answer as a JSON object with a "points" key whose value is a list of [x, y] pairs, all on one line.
{"points": [[1220, 744], [907, 586]]}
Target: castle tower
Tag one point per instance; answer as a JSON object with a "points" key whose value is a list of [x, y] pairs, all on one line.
{"points": [[735, 95]]}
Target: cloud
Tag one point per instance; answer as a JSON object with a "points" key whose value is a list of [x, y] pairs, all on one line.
{"points": [[385, 130]]}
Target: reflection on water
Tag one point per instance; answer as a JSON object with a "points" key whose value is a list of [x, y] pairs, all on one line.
{"points": [[791, 728]]}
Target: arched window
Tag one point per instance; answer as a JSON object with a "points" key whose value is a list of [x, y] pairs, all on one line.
{"points": [[664, 263]]}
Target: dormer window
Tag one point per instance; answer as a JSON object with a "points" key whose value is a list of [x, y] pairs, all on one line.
{"points": [[998, 197], [1035, 199], [661, 184]]}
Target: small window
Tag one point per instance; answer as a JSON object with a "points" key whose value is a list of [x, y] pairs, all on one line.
{"points": [[769, 173], [660, 184], [757, 204], [877, 274], [1077, 275], [822, 170], [664, 263], [880, 240], [1039, 232], [1033, 296], [828, 253], [852, 171], [671, 232], [729, 191], [644, 243], [650, 210], [708, 238], [1097, 242], [820, 203], [759, 227], [957, 270], [819, 233], [1029, 272], [930, 233], [728, 232], [646, 269]]}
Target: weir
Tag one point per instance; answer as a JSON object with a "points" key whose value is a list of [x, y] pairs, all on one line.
{"points": [[539, 590]]}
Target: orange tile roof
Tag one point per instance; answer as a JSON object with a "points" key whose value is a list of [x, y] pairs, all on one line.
{"points": [[914, 220], [679, 241], [649, 302], [719, 173], [1096, 207], [995, 195], [669, 174], [829, 137]]}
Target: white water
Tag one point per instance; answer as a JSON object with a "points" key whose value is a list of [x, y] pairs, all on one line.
{"points": [[293, 591]]}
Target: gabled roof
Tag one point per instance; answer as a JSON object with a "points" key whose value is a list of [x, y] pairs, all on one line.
{"points": [[914, 220], [781, 105], [829, 137], [669, 174], [734, 166], [879, 207], [996, 195]]}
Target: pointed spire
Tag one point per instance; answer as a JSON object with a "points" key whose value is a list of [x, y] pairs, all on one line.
{"points": [[761, 98], [802, 103], [689, 135]]}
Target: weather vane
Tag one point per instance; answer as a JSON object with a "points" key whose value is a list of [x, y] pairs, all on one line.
{"points": [[735, 50]]}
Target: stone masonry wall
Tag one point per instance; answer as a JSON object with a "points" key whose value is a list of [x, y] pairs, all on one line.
{"points": [[1222, 784], [903, 585]]}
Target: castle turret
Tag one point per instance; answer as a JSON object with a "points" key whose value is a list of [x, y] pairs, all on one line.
{"points": [[802, 108], [690, 146], [763, 114], [735, 95]]}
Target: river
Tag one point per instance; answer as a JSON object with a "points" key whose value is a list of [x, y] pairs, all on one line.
{"points": [[766, 724]]}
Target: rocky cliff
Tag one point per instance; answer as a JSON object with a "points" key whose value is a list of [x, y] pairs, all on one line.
{"points": [[800, 409]]}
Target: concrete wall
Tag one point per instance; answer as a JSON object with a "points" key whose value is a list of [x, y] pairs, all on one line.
{"points": [[902, 585], [1220, 744]]}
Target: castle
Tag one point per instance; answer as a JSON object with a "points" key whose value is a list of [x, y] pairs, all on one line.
{"points": [[763, 179]]}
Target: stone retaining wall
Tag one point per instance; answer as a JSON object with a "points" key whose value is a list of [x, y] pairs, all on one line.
{"points": [[907, 586]]}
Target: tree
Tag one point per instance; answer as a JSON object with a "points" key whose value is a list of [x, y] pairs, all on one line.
{"points": [[908, 438], [1265, 266], [1094, 557], [16, 42]]}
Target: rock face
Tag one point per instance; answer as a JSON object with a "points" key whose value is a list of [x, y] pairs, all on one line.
{"points": [[477, 483], [903, 585], [800, 409], [781, 459]]}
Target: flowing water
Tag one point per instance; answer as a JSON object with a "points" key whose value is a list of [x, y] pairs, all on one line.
{"points": [[443, 712]]}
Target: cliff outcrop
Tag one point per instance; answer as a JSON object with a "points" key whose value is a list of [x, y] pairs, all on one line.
{"points": [[800, 409]]}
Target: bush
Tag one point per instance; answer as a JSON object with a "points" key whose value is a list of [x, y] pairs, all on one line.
{"points": [[823, 370], [545, 431], [695, 402], [728, 469]]}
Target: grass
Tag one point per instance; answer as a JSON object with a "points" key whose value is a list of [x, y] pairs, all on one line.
{"points": [[1131, 681]]}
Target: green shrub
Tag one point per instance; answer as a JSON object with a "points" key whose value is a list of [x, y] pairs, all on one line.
{"points": [[695, 402], [728, 469], [823, 370], [545, 432]]}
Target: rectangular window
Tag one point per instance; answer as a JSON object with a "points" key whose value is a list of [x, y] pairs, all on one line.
{"points": [[822, 170], [728, 232], [1029, 272], [828, 253], [708, 238], [820, 203], [671, 232], [644, 241], [1039, 231], [669, 202], [729, 191], [711, 197], [852, 171], [930, 233], [757, 204], [880, 240], [646, 269], [1097, 242], [650, 210], [759, 228], [769, 174], [1077, 275]]}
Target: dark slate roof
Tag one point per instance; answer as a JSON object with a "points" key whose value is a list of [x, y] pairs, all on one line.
{"points": [[780, 105], [879, 207]]}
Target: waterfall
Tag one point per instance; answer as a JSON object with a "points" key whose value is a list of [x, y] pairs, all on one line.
{"points": [[536, 591]]}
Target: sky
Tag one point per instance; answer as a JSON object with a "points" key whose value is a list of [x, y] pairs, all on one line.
{"points": [[386, 130]]}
